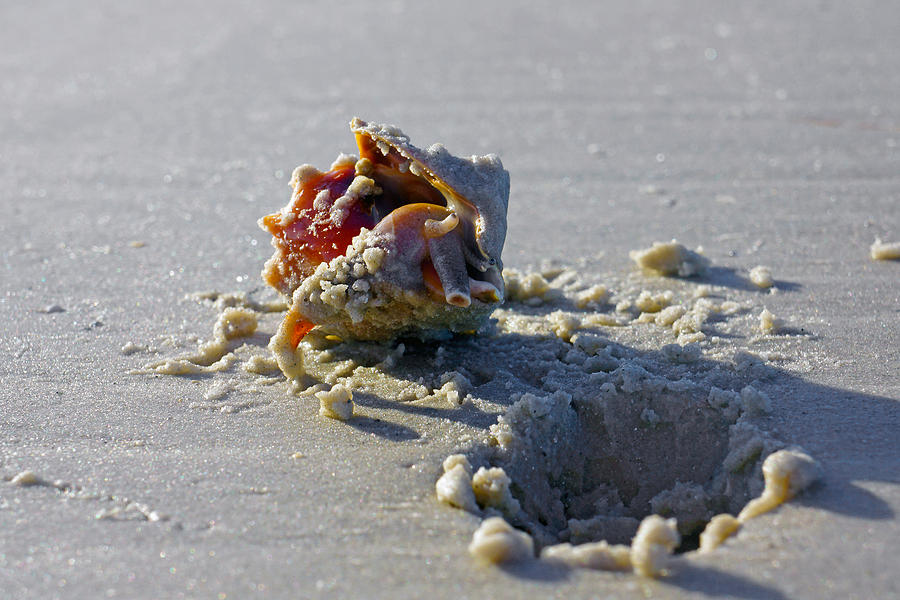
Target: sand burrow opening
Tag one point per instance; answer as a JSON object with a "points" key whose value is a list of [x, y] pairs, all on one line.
{"points": [[589, 466]]}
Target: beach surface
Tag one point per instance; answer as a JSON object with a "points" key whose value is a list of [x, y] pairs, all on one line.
{"points": [[140, 143]]}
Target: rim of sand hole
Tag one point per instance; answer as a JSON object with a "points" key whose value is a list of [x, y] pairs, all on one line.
{"points": [[637, 457]]}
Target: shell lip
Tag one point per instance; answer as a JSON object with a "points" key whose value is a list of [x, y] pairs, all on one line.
{"points": [[485, 208], [398, 142]]}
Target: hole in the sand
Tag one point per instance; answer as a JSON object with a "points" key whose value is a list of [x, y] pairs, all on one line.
{"points": [[590, 466]]}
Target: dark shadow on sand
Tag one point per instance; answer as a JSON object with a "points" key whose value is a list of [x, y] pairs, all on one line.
{"points": [[853, 430], [729, 277], [714, 583], [383, 429], [467, 413], [842, 494], [537, 570], [852, 434]]}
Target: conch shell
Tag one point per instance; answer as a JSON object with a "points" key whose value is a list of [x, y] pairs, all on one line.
{"points": [[399, 241]]}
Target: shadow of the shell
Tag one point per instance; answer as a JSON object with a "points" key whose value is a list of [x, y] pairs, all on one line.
{"points": [[849, 432]]}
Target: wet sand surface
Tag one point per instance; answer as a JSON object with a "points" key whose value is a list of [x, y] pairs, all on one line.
{"points": [[139, 145]]}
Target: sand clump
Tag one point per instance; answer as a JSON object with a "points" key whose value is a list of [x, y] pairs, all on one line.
{"points": [[787, 473], [719, 529], [769, 323], [884, 250], [670, 259], [599, 556], [26, 479], [454, 487], [336, 403], [761, 277], [215, 355], [496, 541], [653, 544]]}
